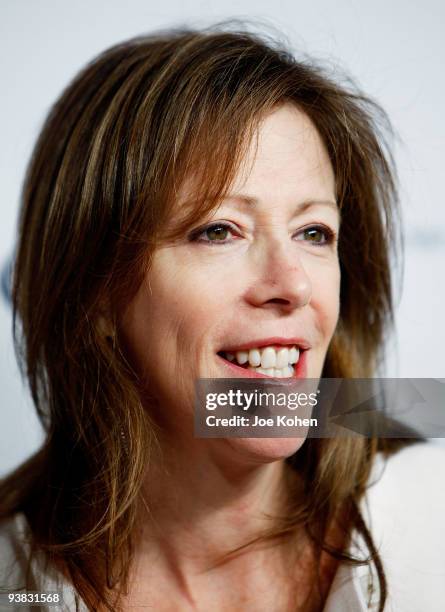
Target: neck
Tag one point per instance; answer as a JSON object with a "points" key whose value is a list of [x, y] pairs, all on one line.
{"points": [[202, 501]]}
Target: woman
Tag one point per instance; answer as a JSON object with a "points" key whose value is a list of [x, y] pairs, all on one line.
{"points": [[182, 208]]}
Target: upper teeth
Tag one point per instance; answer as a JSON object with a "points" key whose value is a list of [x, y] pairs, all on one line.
{"points": [[266, 357]]}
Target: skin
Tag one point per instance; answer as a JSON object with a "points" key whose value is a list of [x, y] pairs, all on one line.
{"points": [[266, 278]]}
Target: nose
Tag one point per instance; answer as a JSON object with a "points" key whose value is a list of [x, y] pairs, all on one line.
{"points": [[281, 282]]}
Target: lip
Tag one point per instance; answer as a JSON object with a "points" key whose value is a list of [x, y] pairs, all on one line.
{"points": [[236, 371], [273, 340]]}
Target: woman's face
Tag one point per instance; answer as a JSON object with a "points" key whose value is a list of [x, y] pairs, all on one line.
{"points": [[261, 275]]}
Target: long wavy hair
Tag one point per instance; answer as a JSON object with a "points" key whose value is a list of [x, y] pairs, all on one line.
{"points": [[100, 187]]}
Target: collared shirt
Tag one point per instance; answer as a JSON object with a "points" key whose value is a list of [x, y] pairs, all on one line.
{"points": [[404, 508]]}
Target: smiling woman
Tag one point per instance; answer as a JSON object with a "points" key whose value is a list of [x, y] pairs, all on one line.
{"points": [[199, 204], [264, 281]]}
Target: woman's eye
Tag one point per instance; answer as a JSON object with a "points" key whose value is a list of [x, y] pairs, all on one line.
{"points": [[213, 234], [223, 233], [317, 235]]}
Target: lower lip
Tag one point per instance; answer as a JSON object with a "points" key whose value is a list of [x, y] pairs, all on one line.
{"points": [[300, 369]]}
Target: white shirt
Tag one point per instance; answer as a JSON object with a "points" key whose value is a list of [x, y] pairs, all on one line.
{"points": [[404, 508]]}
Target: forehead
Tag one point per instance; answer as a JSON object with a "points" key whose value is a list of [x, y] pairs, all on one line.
{"points": [[287, 154], [284, 164]]}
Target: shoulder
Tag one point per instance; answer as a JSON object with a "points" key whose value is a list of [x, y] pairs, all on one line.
{"points": [[404, 508], [20, 573], [14, 552]]}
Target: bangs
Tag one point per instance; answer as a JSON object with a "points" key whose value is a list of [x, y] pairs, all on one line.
{"points": [[204, 172]]}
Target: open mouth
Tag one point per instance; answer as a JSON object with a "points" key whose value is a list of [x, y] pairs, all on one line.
{"points": [[274, 361]]}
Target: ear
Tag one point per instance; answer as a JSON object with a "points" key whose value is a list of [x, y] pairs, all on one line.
{"points": [[104, 320], [104, 327]]}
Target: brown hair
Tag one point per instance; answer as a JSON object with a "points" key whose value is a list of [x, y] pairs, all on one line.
{"points": [[101, 184]]}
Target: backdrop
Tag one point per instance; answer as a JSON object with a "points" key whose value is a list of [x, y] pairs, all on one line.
{"points": [[396, 52]]}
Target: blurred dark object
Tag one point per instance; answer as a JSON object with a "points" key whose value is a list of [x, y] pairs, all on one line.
{"points": [[7, 280]]}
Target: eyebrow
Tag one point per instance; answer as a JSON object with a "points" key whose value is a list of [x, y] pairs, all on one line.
{"points": [[250, 201]]}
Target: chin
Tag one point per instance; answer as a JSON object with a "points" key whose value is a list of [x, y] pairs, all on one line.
{"points": [[265, 450]]}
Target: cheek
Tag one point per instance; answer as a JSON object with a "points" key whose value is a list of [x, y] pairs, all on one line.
{"points": [[326, 297], [187, 308], [175, 314], [192, 297]]}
